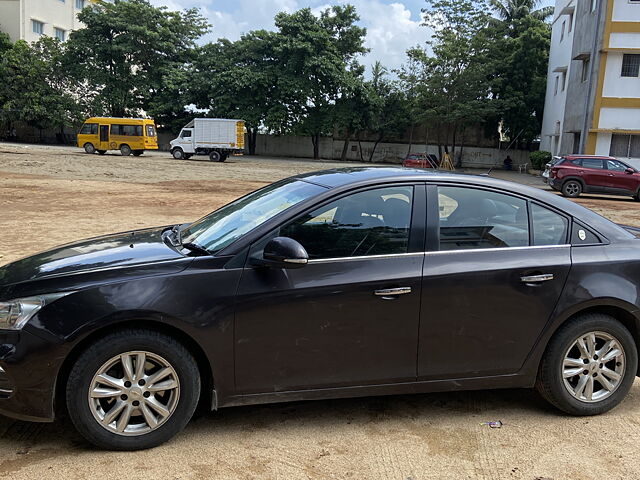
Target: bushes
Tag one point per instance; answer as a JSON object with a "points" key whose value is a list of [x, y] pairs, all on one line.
{"points": [[539, 158]]}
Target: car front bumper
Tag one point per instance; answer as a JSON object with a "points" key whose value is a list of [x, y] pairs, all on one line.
{"points": [[29, 366]]}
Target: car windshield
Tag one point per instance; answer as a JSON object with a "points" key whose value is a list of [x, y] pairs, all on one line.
{"points": [[224, 226], [632, 162]]}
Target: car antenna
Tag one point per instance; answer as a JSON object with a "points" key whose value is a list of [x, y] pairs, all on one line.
{"points": [[486, 174]]}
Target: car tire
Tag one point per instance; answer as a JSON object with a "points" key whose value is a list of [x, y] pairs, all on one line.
{"points": [[125, 150], [102, 152], [137, 153], [571, 188], [89, 148], [215, 156], [177, 401], [178, 154], [566, 382]]}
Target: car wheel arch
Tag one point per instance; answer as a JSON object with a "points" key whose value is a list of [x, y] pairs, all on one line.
{"points": [[577, 179], [627, 314], [82, 343]]}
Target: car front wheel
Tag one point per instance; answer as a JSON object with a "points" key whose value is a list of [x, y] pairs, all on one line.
{"points": [[571, 188], [589, 365], [132, 389]]}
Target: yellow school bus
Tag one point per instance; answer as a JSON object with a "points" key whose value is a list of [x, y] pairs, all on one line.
{"points": [[129, 135]]}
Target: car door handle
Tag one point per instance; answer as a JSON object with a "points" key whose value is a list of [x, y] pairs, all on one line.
{"points": [[392, 292], [545, 277]]}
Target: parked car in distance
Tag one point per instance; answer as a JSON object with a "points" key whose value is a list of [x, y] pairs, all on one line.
{"points": [[216, 137], [129, 135], [576, 174], [341, 283], [421, 160]]}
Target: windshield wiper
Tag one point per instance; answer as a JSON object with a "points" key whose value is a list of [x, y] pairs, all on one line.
{"points": [[194, 247]]}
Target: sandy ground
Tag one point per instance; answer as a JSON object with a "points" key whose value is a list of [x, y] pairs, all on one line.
{"points": [[51, 195]]}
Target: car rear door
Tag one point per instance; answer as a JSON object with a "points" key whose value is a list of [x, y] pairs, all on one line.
{"points": [[495, 269], [594, 174], [348, 317]]}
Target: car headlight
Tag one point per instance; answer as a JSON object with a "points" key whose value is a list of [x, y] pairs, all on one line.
{"points": [[14, 314]]}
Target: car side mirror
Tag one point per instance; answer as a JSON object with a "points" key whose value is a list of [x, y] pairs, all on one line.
{"points": [[284, 252], [629, 170]]}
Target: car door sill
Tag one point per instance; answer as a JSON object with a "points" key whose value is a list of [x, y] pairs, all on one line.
{"points": [[515, 380]]}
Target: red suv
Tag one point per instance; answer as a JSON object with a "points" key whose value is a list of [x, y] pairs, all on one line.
{"points": [[576, 174]]}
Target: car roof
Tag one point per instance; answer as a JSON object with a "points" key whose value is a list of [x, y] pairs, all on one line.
{"points": [[607, 157], [345, 178]]}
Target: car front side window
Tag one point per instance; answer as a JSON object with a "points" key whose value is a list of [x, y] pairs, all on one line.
{"points": [[373, 222], [616, 166], [472, 218]]}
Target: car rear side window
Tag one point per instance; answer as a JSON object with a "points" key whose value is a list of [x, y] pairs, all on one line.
{"points": [[592, 163], [581, 235], [373, 222], [549, 227], [473, 218]]}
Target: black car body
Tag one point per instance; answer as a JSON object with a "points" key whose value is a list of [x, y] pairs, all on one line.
{"points": [[480, 311]]}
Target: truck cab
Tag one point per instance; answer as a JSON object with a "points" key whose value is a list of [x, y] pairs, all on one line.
{"points": [[182, 147]]}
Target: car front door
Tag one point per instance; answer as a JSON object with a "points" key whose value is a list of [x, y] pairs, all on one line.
{"points": [[348, 317], [490, 281], [619, 179]]}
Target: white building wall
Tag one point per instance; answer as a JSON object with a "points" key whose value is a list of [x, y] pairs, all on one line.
{"points": [[16, 17], [615, 85], [625, 40], [603, 143], [619, 119], [625, 11], [559, 57]]}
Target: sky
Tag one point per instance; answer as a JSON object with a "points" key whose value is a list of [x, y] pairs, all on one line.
{"points": [[393, 26]]}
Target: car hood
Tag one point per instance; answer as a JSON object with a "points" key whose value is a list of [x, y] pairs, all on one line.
{"points": [[102, 253]]}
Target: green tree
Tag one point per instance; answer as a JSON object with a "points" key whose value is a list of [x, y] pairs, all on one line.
{"points": [[316, 66], [238, 79], [520, 52], [35, 87], [456, 77], [511, 11], [129, 52]]}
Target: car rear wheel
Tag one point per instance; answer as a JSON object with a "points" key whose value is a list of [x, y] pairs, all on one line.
{"points": [[133, 389], [589, 365], [571, 188], [89, 148]]}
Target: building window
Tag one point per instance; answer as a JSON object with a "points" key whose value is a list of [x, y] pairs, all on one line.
{"points": [[564, 25], [79, 4], [564, 80], [570, 22], [555, 91], [61, 1], [594, 5], [585, 69], [625, 146], [37, 27], [60, 34], [630, 64]]}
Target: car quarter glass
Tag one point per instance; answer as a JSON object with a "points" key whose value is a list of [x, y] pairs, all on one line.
{"points": [[373, 222]]}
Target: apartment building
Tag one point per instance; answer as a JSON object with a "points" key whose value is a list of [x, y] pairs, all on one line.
{"points": [[592, 103], [29, 19]]}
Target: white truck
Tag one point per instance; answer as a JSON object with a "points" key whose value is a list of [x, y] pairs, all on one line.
{"points": [[216, 137]]}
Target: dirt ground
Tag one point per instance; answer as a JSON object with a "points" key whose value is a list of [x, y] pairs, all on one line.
{"points": [[54, 195]]}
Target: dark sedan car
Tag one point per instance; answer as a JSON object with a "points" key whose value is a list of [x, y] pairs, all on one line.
{"points": [[342, 283]]}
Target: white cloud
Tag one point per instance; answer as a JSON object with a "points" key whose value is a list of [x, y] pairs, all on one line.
{"points": [[390, 27]]}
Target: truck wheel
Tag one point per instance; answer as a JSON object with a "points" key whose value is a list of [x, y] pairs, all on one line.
{"points": [[89, 148], [178, 154], [137, 153], [125, 150], [215, 156]]}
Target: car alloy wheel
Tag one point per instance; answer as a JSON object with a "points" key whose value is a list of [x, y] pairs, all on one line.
{"points": [[134, 393], [593, 366], [572, 189]]}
